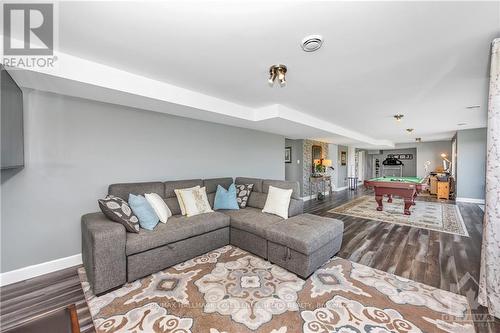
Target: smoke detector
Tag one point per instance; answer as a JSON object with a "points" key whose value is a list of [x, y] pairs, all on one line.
{"points": [[311, 43]]}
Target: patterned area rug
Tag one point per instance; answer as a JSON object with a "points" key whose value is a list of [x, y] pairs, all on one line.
{"points": [[230, 290], [437, 216]]}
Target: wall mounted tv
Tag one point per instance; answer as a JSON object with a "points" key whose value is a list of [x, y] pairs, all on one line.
{"points": [[12, 137]]}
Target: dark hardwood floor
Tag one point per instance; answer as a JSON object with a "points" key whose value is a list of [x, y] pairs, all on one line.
{"points": [[23, 301], [445, 261]]}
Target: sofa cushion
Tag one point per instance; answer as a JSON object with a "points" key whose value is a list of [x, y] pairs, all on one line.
{"points": [[252, 220], [173, 204], [257, 183], [177, 228], [211, 184], [178, 184], [305, 233], [283, 184], [257, 200], [296, 207], [124, 189]]}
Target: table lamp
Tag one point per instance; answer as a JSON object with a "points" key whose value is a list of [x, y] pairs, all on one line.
{"points": [[326, 163], [446, 162]]}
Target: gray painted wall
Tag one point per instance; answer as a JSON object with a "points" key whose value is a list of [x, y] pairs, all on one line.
{"points": [[294, 170], [431, 151], [342, 169], [75, 148], [410, 166], [333, 153], [428, 151], [471, 163]]}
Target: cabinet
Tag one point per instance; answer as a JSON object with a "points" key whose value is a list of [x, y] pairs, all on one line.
{"points": [[433, 187], [443, 190]]}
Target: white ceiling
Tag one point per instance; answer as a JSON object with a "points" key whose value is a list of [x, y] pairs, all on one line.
{"points": [[427, 60]]}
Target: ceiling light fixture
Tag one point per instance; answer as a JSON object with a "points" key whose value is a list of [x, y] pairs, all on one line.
{"points": [[398, 116], [473, 107], [409, 130], [418, 139], [311, 43], [277, 72]]}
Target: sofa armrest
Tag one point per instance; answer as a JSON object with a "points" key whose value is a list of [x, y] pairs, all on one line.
{"points": [[103, 252], [296, 207]]}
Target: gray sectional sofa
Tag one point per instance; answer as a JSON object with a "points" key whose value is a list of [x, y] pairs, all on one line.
{"points": [[112, 256]]}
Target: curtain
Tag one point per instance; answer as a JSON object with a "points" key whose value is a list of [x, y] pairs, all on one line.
{"points": [[489, 281]]}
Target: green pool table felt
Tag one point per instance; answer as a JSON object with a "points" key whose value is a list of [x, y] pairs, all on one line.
{"points": [[415, 180]]}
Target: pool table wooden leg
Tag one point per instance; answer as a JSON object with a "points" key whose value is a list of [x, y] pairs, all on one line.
{"points": [[389, 198], [408, 203], [378, 199], [414, 196]]}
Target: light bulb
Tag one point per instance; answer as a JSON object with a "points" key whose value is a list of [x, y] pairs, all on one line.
{"points": [[272, 77]]}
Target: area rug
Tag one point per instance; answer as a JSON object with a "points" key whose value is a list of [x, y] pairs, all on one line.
{"points": [[438, 216], [230, 290]]}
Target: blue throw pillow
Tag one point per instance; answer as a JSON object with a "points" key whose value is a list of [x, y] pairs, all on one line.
{"points": [[226, 199], [144, 212]]}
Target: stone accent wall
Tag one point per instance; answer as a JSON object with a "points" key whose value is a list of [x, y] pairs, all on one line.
{"points": [[307, 161]]}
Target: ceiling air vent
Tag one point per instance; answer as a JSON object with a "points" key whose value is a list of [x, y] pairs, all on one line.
{"points": [[311, 43]]}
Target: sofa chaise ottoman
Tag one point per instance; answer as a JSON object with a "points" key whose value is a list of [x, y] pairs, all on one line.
{"points": [[249, 225], [304, 243]]}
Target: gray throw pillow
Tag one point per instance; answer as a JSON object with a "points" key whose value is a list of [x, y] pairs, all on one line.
{"points": [[118, 210], [242, 193]]}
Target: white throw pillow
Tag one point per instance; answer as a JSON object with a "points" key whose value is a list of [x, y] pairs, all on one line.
{"points": [[196, 201], [277, 201], [159, 206], [179, 197]]}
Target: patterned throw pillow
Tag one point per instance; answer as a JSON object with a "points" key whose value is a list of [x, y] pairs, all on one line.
{"points": [[118, 210], [178, 193], [242, 193], [196, 201]]}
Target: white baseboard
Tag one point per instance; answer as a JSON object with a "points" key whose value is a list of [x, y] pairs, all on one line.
{"points": [[338, 189], [471, 200], [29, 272]]}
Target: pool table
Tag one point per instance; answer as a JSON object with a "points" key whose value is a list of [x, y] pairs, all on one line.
{"points": [[405, 187]]}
